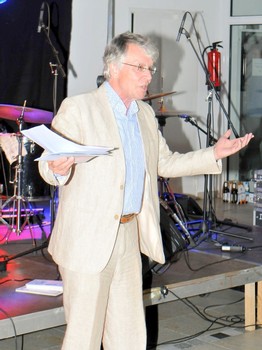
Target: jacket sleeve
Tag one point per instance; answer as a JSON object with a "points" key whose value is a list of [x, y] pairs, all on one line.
{"points": [[49, 176], [175, 164]]}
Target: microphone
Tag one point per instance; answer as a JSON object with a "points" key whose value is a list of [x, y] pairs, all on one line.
{"points": [[187, 117], [232, 248], [181, 27], [41, 16], [184, 116]]}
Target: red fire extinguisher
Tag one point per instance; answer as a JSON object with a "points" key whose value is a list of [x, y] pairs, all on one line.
{"points": [[214, 64]]}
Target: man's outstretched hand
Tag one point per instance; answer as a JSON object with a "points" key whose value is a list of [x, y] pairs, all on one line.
{"points": [[226, 147]]}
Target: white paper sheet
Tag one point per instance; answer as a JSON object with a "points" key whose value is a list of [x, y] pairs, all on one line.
{"points": [[58, 147]]}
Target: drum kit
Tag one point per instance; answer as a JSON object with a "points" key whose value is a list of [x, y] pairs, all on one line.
{"points": [[162, 113], [26, 181], [29, 186]]}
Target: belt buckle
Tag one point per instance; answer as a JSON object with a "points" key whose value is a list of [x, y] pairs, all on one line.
{"points": [[127, 218]]}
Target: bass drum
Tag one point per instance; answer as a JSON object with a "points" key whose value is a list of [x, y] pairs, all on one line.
{"points": [[33, 187]]}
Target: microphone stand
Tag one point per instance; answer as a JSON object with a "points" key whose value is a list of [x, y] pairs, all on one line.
{"points": [[54, 70], [208, 178], [210, 83], [191, 120], [53, 189], [208, 219]]}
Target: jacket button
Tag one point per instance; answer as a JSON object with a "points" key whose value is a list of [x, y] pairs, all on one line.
{"points": [[121, 187], [116, 217]]}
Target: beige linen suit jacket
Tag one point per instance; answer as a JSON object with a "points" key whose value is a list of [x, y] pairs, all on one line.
{"points": [[91, 197]]}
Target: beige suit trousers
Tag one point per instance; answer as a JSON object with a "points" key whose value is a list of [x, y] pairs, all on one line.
{"points": [[107, 305]]}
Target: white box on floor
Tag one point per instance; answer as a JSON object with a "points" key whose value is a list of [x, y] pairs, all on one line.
{"points": [[257, 217]]}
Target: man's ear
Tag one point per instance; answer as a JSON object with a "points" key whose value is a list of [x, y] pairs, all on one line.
{"points": [[114, 69]]}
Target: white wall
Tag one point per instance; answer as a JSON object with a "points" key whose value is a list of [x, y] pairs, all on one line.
{"points": [[89, 35]]}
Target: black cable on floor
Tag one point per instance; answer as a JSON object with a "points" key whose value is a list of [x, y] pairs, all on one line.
{"points": [[13, 324]]}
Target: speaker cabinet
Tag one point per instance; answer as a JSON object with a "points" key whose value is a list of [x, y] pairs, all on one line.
{"points": [[190, 207]]}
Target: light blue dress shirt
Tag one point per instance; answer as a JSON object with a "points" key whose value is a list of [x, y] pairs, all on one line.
{"points": [[133, 150]]}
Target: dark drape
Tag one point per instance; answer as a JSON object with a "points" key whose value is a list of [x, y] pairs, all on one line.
{"points": [[26, 55], [25, 74]]}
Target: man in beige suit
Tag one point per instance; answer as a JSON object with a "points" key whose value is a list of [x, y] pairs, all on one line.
{"points": [[109, 207]]}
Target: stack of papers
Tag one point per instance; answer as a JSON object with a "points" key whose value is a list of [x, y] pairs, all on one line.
{"points": [[58, 147], [43, 287]]}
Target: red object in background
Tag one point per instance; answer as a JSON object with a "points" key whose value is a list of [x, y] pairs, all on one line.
{"points": [[214, 65]]}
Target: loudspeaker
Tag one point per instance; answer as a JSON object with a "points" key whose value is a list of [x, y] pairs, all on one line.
{"points": [[190, 207], [174, 238]]}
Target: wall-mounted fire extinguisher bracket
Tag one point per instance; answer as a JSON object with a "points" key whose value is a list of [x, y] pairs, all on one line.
{"points": [[214, 65]]}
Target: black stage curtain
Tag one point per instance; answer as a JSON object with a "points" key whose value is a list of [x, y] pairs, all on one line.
{"points": [[26, 54], [25, 74]]}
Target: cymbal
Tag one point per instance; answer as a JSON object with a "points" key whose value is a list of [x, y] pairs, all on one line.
{"points": [[31, 115], [166, 114], [152, 97]]}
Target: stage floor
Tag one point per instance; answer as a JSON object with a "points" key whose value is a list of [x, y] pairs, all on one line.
{"points": [[30, 313], [23, 257], [34, 313]]}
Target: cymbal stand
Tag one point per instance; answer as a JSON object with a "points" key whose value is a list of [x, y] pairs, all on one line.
{"points": [[19, 202]]}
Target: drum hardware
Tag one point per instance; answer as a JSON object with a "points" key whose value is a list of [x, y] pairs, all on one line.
{"points": [[30, 115], [5, 260], [18, 204], [4, 184], [154, 96]]}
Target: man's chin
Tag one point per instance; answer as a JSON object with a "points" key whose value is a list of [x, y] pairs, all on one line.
{"points": [[143, 94]]}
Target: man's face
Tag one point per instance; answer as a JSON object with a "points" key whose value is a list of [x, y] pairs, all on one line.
{"points": [[126, 79]]}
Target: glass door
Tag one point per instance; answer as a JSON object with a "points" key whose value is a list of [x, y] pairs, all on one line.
{"points": [[246, 94]]}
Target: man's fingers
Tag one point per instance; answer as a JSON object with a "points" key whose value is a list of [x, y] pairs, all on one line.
{"points": [[227, 133]]}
